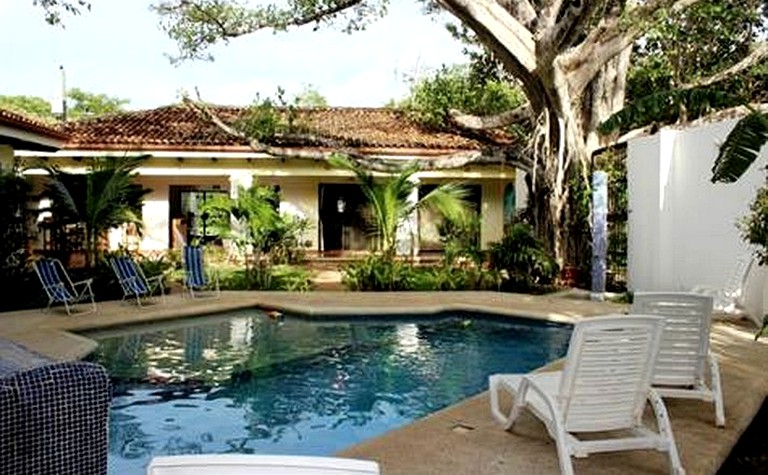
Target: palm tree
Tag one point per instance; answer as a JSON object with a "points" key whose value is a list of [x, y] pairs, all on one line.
{"points": [[103, 198], [389, 203], [247, 219]]}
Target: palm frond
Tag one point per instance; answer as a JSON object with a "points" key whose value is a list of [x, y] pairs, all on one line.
{"points": [[740, 148], [664, 107], [448, 199]]}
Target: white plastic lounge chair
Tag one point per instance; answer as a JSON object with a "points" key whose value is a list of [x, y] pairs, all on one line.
{"points": [[133, 281], [59, 287], [196, 279], [237, 464], [685, 356], [604, 386], [730, 298]]}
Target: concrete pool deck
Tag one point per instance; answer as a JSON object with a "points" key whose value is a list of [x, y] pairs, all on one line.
{"points": [[463, 438]]}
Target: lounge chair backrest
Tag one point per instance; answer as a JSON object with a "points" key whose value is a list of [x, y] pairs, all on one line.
{"points": [[193, 266], [238, 464], [50, 272], [607, 374], [685, 342], [130, 275]]}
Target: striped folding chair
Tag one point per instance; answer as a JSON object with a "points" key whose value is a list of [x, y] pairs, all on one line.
{"points": [[59, 287], [133, 281], [196, 280]]}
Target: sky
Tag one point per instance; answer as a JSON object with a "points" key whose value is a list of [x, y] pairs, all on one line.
{"points": [[118, 49]]}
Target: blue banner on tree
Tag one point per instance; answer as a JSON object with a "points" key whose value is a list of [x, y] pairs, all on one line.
{"points": [[599, 233]]}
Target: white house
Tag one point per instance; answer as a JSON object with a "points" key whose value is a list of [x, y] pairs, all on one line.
{"points": [[191, 158]]}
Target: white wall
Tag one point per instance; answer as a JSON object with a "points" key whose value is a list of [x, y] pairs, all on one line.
{"points": [[682, 227]]}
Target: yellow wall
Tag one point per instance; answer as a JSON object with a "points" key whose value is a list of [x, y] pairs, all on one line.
{"points": [[492, 211], [6, 156], [298, 180]]}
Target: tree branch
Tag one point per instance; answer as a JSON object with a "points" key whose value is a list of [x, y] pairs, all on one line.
{"points": [[198, 24], [755, 56], [372, 163], [611, 36], [474, 122], [488, 16]]}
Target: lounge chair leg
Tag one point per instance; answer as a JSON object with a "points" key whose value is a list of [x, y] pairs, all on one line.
{"points": [[717, 390], [665, 431]]}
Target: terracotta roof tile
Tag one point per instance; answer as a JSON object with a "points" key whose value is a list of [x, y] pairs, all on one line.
{"points": [[178, 127], [23, 122]]}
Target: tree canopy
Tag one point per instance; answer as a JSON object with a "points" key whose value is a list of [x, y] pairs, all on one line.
{"points": [[80, 104], [54, 8]]}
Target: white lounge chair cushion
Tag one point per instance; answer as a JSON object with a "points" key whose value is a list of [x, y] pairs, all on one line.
{"points": [[239, 464]]}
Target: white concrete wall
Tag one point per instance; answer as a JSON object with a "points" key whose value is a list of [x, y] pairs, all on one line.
{"points": [[682, 227]]}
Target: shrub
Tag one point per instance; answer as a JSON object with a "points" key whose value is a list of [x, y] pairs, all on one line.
{"points": [[379, 272], [265, 277], [528, 266]]}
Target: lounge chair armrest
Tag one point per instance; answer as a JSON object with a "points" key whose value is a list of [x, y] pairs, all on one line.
{"points": [[530, 384], [87, 282]]}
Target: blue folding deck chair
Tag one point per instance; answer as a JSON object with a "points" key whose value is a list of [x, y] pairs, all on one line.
{"points": [[133, 281], [195, 278], [59, 287]]}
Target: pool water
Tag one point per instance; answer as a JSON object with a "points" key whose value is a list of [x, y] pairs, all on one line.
{"points": [[248, 383]]}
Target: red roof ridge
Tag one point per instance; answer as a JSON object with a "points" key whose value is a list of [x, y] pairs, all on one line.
{"points": [[30, 124], [177, 125]]}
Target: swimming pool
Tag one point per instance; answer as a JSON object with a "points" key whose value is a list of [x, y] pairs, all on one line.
{"points": [[249, 383]]}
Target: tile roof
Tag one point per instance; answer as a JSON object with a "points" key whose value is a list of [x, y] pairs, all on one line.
{"points": [[178, 127], [28, 124]]}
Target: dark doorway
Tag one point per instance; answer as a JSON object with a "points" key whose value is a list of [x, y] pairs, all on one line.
{"points": [[342, 220]]}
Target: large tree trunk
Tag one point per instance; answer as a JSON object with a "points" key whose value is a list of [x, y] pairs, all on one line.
{"points": [[574, 78]]}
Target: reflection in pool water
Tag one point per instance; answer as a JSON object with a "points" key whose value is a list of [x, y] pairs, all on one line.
{"points": [[245, 382]]}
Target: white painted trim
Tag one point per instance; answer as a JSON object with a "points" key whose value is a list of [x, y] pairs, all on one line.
{"points": [[26, 136]]}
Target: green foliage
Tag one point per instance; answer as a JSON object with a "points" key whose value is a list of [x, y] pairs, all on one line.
{"points": [[388, 199], [754, 227], [247, 220], [763, 329], [685, 47], [82, 104], [54, 8], [310, 97], [688, 45], [461, 240], [268, 119], [523, 258], [378, 272], [281, 277], [36, 107], [666, 106], [103, 198], [381, 273], [14, 194], [264, 238], [740, 148], [613, 162], [431, 98], [197, 25]]}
